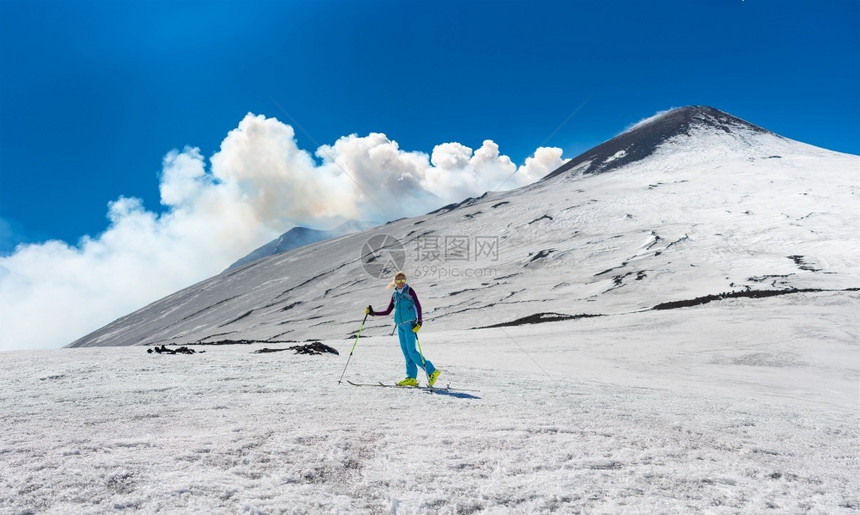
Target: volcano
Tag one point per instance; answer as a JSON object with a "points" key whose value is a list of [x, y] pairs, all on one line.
{"points": [[691, 204]]}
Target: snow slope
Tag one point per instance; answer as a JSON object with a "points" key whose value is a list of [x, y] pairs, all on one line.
{"points": [[748, 405]]}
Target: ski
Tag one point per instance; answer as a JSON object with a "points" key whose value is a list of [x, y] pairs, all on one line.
{"points": [[384, 385], [446, 388]]}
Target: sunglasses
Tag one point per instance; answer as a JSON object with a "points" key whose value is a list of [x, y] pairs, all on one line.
{"points": [[400, 281]]}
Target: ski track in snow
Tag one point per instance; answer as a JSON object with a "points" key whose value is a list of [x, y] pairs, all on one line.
{"points": [[757, 412]]}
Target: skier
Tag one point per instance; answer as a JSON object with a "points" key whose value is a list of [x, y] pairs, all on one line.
{"points": [[407, 316]]}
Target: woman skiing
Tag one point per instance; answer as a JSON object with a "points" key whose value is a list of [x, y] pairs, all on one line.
{"points": [[407, 316]]}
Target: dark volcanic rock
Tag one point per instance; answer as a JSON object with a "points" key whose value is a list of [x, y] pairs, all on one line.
{"points": [[164, 350], [539, 318], [311, 348]]}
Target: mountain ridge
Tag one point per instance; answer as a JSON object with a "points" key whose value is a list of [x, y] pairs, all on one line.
{"points": [[299, 237], [645, 137]]}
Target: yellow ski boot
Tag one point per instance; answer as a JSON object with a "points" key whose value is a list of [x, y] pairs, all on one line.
{"points": [[433, 376]]}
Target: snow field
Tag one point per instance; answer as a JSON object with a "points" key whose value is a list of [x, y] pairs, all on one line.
{"points": [[721, 408]]}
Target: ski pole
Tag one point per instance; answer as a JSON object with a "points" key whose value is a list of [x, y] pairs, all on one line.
{"points": [[353, 348], [423, 361]]}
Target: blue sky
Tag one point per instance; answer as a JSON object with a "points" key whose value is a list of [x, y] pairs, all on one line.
{"points": [[130, 166], [95, 93]]}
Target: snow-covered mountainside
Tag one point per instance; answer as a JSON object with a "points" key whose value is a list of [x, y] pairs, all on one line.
{"points": [[711, 205]]}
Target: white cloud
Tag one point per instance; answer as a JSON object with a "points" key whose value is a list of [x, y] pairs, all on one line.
{"points": [[544, 161], [259, 184]]}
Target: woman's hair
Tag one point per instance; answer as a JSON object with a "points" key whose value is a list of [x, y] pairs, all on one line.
{"points": [[393, 284]]}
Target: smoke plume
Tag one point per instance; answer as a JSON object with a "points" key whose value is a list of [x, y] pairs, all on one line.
{"points": [[258, 185]]}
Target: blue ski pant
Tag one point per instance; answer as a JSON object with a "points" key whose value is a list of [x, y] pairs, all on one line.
{"points": [[410, 352]]}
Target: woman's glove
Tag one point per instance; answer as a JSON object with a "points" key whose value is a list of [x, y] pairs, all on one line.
{"points": [[369, 310], [416, 327]]}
